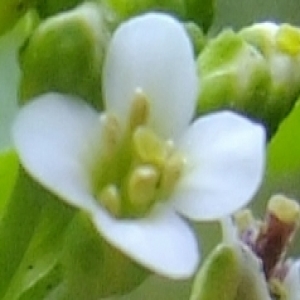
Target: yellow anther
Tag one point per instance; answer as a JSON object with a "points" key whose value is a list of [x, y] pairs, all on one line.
{"points": [[111, 134], [109, 197], [285, 209], [171, 173], [149, 147], [140, 110], [142, 187], [244, 219]]}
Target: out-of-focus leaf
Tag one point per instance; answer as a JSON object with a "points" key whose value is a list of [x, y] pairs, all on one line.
{"points": [[17, 226], [93, 267], [40, 270], [201, 12], [47, 8], [9, 79], [8, 174], [11, 11], [284, 148]]}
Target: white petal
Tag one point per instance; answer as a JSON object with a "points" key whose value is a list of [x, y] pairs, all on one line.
{"points": [[253, 280], [152, 52], [226, 155], [51, 135], [162, 241], [292, 281]]}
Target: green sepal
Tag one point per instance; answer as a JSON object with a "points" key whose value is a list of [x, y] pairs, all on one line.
{"points": [[218, 277], [93, 267], [9, 166], [65, 54], [197, 36]]}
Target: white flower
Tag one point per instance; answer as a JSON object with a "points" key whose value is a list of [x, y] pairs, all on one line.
{"points": [[139, 164]]}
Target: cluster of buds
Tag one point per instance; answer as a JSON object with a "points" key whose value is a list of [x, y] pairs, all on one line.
{"points": [[254, 71]]}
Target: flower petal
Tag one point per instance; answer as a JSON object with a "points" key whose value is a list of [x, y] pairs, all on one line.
{"points": [[253, 281], [291, 282], [152, 52], [226, 155], [162, 241], [51, 135]]}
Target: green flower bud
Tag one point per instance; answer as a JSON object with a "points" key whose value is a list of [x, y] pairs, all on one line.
{"points": [[65, 54], [198, 11], [233, 75], [255, 72], [47, 8], [218, 277], [230, 272], [280, 47], [11, 11]]}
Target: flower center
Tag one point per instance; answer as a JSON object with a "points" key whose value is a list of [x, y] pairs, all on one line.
{"points": [[137, 168]]}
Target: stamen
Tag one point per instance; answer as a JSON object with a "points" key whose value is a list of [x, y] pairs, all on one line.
{"points": [[142, 187], [244, 219], [277, 231], [109, 197], [136, 166], [111, 134], [248, 227], [149, 147], [287, 210], [171, 173], [140, 110]]}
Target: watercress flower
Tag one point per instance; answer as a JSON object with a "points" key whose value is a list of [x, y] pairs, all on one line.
{"points": [[136, 167]]}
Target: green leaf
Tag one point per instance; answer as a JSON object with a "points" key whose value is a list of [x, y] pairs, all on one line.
{"points": [[40, 270], [17, 225], [8, 174], [200, 12]]}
